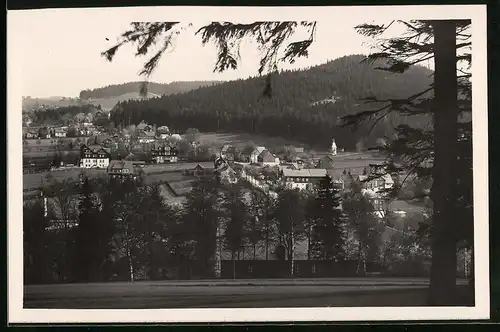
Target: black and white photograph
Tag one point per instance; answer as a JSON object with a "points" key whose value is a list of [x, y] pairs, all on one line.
{"points": [[225, 164]]}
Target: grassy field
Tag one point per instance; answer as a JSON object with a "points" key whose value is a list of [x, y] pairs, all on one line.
{"points": [[233, 294], [33, 180], [175, 167]]}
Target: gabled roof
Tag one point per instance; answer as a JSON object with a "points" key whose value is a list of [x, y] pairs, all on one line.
{"points": [[317, 172], [141, 125], [258, 150], [159, 145], [388, 179], [163, 128], [266, 156], [362, 177], [198, 167], [96, 148], [131, 157], [121, 164]]}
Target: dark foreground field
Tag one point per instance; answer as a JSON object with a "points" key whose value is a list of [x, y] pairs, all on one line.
{"points": [[233, 294]]}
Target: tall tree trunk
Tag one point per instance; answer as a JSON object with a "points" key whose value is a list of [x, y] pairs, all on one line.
{"points": [[234, 264], [254, 250], [444, 256], [290, 254], [358, 264]]}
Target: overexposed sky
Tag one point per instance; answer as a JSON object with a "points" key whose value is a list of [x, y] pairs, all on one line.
{"points": [[58, 50], [61, 52]]}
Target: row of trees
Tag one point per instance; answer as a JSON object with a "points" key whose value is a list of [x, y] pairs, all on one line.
{"points": [[441, 150], [104, 229], [63, 115]]}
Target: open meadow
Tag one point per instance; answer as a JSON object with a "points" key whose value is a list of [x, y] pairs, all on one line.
{"points": [[240, 140], [237, 294]]}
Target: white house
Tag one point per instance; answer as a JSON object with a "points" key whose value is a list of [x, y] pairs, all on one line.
{"points": [[94, 156], [303, 178], [375, 185], [255, 154]]}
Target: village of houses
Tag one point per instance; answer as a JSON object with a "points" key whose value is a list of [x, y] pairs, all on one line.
{"points": [[155, 154], [158, 149]]}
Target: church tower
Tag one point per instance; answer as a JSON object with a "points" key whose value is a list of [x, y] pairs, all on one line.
{"points": [[333, 149]]}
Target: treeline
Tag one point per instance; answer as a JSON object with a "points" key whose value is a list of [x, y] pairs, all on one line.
{"points": [[60, 115], [117, 90], [113, 230], [292, 110]]}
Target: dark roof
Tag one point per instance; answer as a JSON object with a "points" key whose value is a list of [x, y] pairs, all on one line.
{"points": [[266, 156]]}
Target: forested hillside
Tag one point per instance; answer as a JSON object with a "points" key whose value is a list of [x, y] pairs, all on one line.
{"points": [[306, 105], [159, 89], [30, 103]]}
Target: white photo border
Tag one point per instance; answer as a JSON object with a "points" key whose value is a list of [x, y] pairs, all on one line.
{"points": [[477, 13]]}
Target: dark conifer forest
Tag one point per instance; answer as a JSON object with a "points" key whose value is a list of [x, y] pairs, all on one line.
{"points": [[306, 105]]}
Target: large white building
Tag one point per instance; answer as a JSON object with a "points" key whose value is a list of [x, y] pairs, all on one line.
{"points": [[94, 156], [303, 178]]}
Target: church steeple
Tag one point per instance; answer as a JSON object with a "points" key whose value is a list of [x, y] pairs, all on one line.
{"points": [[333, 149]]}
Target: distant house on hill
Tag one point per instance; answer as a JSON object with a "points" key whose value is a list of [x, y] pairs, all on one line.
{"points": [[94, 156], [255, 154], [266, 158]]}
